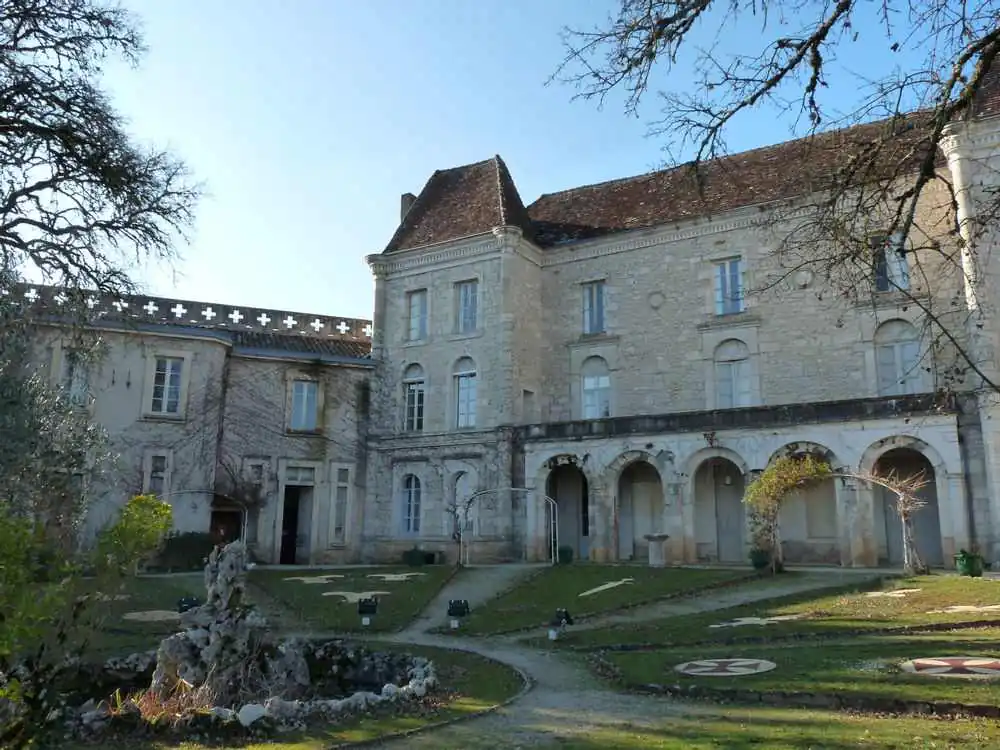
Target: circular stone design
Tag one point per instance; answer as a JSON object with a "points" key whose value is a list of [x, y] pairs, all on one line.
{"points": [[725, 667], [656, 300], [153, 615], [968, 667]]}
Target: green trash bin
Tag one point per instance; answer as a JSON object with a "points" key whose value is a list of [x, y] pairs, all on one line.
{"points": [[969, 564]]}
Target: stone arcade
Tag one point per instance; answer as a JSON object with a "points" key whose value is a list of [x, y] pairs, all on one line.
{"points": [[598, 349]]}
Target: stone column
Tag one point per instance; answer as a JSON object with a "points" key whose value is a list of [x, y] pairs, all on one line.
{"points": [[672, 521], [954, 513], [601, 521], [862, 544]]}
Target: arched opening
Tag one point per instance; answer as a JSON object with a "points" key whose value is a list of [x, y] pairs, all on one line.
{"points": [[567, 485], [808, 517], [718, 512], [640, 507], [907, 462]]}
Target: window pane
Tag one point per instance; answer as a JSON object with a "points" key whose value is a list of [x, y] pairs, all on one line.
{"points": [[343, 476]]}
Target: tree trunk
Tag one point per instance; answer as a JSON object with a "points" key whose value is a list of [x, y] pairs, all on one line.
{"points": [[912, 564], [777, 556]]}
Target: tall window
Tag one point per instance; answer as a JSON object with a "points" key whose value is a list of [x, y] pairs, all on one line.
{"points": [[733, 383], [892, 270], [416, 309], [74, 377], [467, 304], [897, 359], [156, 480], [411, 504], [413, 391], [305, 395], [465, 393], [596, 388], [167, 386], [729, 287], [341, 498], [593, 307]]}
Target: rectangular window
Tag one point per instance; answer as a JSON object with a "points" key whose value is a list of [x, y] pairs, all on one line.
{"points": [[729, 287], [593, 307], [467, 304], [74, 378], [414, 419], [301, 476], [341, 501], [416, 309], [898, 367], [465, 388], [305, 395], [596, 397], [156, 479], [892, 269], [167, 386], [732, 385]]}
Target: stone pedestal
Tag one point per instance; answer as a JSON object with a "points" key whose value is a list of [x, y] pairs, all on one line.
{"points": [[657, 549]]}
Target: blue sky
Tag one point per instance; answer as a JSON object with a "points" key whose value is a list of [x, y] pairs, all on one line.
{"points": [[307, 119]]}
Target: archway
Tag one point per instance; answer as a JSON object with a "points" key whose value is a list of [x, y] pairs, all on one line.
{"points": [[567, 485], [640, 508], [907, 462], [719, 519], [810, 532]]}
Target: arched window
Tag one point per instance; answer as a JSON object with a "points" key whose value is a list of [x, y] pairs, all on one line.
{"points": [[897, 359], [413, 398], [596, 391], [733, 381], [411, 504], [465, 393]]}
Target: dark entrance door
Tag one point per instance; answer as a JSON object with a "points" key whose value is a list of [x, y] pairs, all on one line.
{"points": [[290, 525]]}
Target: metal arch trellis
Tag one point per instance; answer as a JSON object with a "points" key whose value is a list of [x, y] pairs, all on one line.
{"points": [[463, 548]]}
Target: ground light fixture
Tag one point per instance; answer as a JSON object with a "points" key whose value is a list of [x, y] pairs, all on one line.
{"points": [[559, 622], [367, 608], [457, 609]]}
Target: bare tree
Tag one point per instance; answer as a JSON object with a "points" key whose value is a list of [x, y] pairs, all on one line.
{"points": [[885, 176]]}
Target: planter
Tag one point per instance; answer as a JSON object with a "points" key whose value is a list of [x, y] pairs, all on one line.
{"points": [[969, 564], [760, 558]]}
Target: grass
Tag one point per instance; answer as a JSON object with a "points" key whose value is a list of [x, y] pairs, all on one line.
{"points": [[534, 601], [782, 729], [399, 603], [828, 613], [468, 683], [847, 667]]}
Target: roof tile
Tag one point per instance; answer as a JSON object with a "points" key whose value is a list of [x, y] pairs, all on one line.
{"points": [[290, 342]]}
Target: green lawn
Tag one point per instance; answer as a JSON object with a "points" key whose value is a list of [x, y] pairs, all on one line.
{"points": [[783, 729], [468, 683], [820, 613], [534, 602], [862, 666], [399, 600]]}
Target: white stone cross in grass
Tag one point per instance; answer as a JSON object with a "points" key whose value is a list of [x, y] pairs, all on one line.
{"points": [[328, 578], [968, 608], [740, 621], [894, 594], [395, 577], [353, 597], [607, 586]]}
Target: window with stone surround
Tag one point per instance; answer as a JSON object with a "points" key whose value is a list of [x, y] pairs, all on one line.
{"points": [[465, 393], [167, 386], [466, 306], [414, 388], [411, 504], [728, 280], [304, 415], [892, 269], [593, 307], [340, 481], [74, 377], [596, 388], [156, 473], [733, 378], [897, 359], [416, 311]]}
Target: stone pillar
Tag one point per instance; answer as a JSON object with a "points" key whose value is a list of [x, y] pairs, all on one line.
{"points": [[536, 526], [863, 546], [657, 549], [601, 521], [954, 514], [673, 522]]}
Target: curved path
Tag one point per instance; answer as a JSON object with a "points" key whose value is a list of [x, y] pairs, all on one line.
{"points": [[567, 701]]}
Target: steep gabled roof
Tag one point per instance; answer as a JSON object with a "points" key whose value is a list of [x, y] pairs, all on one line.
{"points": [[745, 179], [461, 202]]}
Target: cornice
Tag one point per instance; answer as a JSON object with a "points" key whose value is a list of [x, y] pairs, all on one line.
{"points": [[423, 259], [978, 134], [761, 217]]}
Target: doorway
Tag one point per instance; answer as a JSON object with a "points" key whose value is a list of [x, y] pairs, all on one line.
{"points": [[295, 523], [567, 485]]}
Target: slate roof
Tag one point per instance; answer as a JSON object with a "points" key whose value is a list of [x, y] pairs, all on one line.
{"points": [[461, 202], [289, 342]]}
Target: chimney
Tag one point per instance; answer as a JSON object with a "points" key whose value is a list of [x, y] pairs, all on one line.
{"points": [[405, 204]]}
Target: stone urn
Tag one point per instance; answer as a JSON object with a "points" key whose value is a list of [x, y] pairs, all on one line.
{"points": [[657, 549]]}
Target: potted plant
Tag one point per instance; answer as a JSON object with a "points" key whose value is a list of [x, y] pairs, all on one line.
{"points": [[969, 563], [760, 558]]}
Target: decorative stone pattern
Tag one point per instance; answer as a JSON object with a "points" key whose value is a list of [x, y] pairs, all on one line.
{"points": [[353, 597], [955, 609], [741, 621], [320, 580], [395, 577], [606, 587], [176, 312], [895, 594], [725, 667], [967, 667]]}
